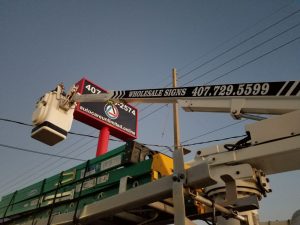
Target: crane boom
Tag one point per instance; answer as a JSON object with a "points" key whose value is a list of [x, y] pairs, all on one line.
{"points": [[169, 95], [53, 115], [260, 98]]}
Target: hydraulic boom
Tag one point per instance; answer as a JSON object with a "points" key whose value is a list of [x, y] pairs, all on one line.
{"points": [[223, 181]]}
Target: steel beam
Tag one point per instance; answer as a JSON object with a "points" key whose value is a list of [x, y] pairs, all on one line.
{"points": [[132, 198]]}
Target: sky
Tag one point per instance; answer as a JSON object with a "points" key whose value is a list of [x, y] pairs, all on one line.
{"points": [[132, 44]]}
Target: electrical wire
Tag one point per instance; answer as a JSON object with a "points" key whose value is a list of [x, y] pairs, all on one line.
{"points": [[74, 133], [154, 145], [14, 121], [92, 136], [240, 43], [43, 163], [169, 148], [42, 175], [229, 72], [255, 59], [165, 124], [230, 39], [225, 74], [213, 131], [25, 174], [236, 35], [233, 47], [243, 53], [46, 164], [41, 153], [149, 114], [42, 170], [215, 140]]}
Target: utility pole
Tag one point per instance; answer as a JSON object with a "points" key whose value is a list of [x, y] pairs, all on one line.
{"points": [[175, 114], [179, 173]]}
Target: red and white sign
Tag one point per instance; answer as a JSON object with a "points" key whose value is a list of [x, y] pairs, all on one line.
{"points": [[119, 117]]}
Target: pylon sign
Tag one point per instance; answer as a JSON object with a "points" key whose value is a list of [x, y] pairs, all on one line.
{"points": [[121, 118]]}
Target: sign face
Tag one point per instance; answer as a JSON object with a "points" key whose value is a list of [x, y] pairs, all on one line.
{"points": [[121, 118], [285, 88]]}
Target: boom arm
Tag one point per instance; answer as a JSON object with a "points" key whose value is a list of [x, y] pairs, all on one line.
{"points": [[54, 111], [260, 98], [238, 171]]}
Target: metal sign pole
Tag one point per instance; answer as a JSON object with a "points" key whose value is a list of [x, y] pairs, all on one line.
{"points": [[103, 141]]}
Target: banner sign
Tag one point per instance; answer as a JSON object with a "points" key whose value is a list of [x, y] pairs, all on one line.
{"points": [[285, 88], [121, 118]]}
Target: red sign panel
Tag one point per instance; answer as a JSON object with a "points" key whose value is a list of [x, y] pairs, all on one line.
{"points": [[121, 118]]}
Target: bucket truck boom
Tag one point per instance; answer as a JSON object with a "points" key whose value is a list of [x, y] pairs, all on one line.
{"points": [[238, 170]]}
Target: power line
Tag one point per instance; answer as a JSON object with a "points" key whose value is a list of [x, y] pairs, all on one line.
{"points": [[29, 125], [240, 43], [215, 140], [92, 136], [14, 121], [87, 135], [213, 131], [74, 133], [226, 41], [41, 153], [43, 169], [26, 176], [236, 35], [169, 148], [249, 62], [47, 166], [78, 134], [149, 114], [235, 46], [63, 157], [243, 53], [255, 59], [51, 164], [239, 67], [42, 163]]}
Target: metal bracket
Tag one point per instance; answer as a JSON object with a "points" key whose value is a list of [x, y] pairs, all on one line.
{"points": [[123, 184], [231, 189], [236, 107], [70, 176]]}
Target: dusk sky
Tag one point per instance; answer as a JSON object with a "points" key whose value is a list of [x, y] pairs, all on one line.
{"points": [[133, 44]]}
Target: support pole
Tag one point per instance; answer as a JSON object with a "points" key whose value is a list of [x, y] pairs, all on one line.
{"points": [[103, 141], [209, 203], [176, 115], [178, 175]]}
